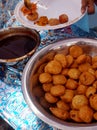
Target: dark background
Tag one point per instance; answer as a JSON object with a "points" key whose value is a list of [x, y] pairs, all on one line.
{"points": [[4, 125]]}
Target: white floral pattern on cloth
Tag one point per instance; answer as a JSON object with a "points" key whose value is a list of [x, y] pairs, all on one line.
{"points": [[12, 103], [16, 112]]}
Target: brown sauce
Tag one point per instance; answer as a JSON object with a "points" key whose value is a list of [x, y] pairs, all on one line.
{"points": [[16, 46]]}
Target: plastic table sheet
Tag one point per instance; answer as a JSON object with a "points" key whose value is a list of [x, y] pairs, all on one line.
{"points": [[13, 107]]}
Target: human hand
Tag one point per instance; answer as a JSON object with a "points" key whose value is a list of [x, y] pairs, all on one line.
{"points": [[89, 5]]}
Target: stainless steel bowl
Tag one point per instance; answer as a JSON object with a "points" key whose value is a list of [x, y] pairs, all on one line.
{"points": [[7, 35], [29, 81]]}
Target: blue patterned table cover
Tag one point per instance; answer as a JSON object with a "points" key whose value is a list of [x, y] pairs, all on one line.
{"points": [[13, 107]]}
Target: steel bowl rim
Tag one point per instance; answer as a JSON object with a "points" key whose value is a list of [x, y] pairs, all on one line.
{"points": [[29, 101]]}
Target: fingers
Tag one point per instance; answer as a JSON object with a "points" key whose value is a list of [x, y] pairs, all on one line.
{"points": [[89, 5], [84, 5]]}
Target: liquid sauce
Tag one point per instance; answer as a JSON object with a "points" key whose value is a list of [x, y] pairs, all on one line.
{"points": [[16, 46]]}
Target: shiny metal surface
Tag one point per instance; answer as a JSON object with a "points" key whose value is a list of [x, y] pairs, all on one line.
{"points": [[12, 31], [29, 81]]}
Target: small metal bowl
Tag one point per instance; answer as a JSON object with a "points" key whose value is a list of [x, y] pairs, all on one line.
{"points": [[30, 80], [12, 53]]}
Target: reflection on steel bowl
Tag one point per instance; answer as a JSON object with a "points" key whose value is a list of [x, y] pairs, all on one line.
{"points": [[35, 93], [17, 43]]}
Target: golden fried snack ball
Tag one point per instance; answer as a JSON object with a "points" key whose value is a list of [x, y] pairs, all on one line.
{"points": [[47, 57], [69, 60], [53, 21], [81, 89], [59, 79], [96, 74], [45, 78], [84, 67], [42, 21], [62, 59], [92, 71], [74, 73], [60, 113], [95, 115], [94, 59], [33, 16], [41, 68], [57, 90], [63, 18], [68, 95], [71, 87], [47, 86], [81, 59], [95, 85], [79, 101], [93, 101], [61, 104], [87, 78], [74, 115], [53, 67], [50, 98], [75, 51], [74, 65], [89, 59], [65, 71], [71, 84], [86, 114], [90, 91], [94, 65]]}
